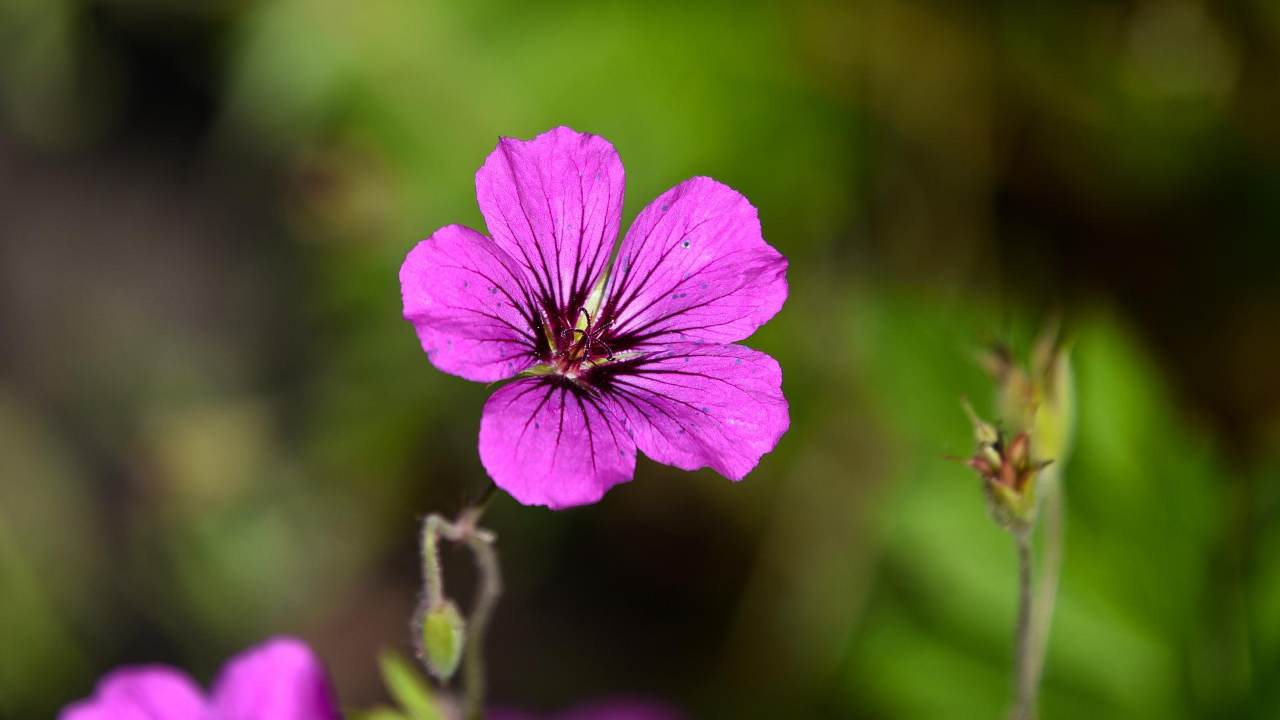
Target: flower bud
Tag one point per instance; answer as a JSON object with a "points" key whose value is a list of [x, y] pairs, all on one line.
{"points": [[442, 637]]}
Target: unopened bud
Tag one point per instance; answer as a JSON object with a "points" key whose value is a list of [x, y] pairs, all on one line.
{"points": [[442, 639]]}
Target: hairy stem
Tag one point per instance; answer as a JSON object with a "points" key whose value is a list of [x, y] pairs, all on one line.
{"points": [[480, 542], [1024, 694], [432, 576], [490, 588]]}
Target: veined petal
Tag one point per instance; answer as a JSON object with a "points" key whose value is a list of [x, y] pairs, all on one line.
{"points": [[149, 692], [548, 441], [281, 679], [701, 405], [470, 304], [553, 204], [694, 266]]}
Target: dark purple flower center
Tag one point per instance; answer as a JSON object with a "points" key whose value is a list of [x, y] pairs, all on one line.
{"points": [[578, 344]]}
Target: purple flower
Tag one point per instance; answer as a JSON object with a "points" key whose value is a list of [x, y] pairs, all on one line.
{"points": [[641, 360], [280, 679]]}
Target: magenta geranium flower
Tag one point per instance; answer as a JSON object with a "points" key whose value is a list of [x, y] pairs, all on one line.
{"points": [[643, 359], [280, 679]]}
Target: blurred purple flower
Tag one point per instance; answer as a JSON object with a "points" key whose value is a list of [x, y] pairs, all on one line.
{"points": [[280, 679], [644, 361]]}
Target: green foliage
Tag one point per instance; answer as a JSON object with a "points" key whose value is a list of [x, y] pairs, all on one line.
{"points": [[1142, 525], [408, 688]]}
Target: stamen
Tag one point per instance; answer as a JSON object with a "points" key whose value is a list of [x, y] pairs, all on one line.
{"points": [[578, 345], [608, 351]]}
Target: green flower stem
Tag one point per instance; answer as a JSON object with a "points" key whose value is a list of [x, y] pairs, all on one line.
{"points": [[481, 544], [1024, 694], [432, 576], [466, 531], [1046, 592]]}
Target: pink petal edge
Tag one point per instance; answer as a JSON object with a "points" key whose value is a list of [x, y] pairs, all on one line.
{"points": [[695, 266], [554, 204], [144, 692], [547, 443], [279, 679], [704, 405], [466, 299]]}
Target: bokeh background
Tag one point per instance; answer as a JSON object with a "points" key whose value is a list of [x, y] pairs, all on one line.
{"points": [[215, 426]]}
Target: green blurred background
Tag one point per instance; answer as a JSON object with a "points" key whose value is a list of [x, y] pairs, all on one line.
{"points": [[215, 426]]}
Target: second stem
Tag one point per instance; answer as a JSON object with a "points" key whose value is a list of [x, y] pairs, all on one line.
{"points": [[1024, 664]]}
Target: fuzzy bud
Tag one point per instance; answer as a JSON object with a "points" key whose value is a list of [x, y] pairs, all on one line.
{"points": [[441, 639]]}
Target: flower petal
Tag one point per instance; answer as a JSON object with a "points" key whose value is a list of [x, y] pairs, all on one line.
{"points": [[281, 679], [701, 405], [470, 304], [149, 692], [694, 266], [554, 204], [548, 441]]}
